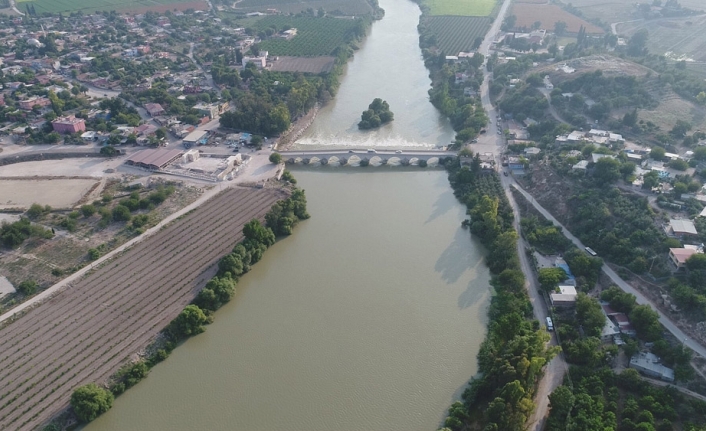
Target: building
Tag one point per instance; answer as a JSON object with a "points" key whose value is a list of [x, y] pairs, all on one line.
{"points": [[194, 138], [566, 297], [30, 103], [211, 110], [580, 166], [681, 228], [154, 109], [154, 159], [679, 256], [69, 124], [648, 364]]}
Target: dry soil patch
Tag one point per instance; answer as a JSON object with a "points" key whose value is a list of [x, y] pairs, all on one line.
{"points": [[57, 193]]}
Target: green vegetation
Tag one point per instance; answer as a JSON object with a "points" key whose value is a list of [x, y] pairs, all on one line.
{"points": [[315, 36], [14, 234], [90, 401], [378, 113], [276, 158], [513, 354], [459, 7], [27, 287], [544, 236], [454, 34]]}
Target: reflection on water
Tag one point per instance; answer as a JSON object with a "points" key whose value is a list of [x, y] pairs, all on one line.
{"points": [[389, 65]]}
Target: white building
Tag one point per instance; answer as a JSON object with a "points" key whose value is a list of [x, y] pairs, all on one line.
{"points": [[648, 364]]}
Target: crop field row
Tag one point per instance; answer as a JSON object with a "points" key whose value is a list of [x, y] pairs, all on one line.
{"points": [[337, 7], [456, 34], [460, 7], [548, 15], [88, 6], [315, 36], [87, 331]]}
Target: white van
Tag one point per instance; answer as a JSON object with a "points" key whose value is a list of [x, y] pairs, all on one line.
{"points": [[550, 325]]}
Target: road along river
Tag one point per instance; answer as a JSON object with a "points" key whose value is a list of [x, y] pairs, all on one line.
{"points": [[369, 317], [389, 65]]}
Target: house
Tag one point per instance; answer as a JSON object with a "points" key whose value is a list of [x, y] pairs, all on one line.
{"points": [[565, 297], [154, 109], [580, 166], [619, 320], [30, 103], [649, 364], [260, 61], [211, 110], [532, 151], [681, 228], [596, 157], [679, 256], [69, 124], [516, 163], [89, 136]]}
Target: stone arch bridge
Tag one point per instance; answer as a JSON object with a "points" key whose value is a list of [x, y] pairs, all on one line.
{"points": [[366, 157]]}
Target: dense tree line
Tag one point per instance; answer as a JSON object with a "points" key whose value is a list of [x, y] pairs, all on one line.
{"points": [[14, 234], [512, 356]]}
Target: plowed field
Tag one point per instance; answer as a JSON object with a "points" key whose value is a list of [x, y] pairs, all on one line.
{"points": [[87, 331]]}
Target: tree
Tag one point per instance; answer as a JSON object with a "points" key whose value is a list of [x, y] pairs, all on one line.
{"points": [[680, 128], [255, 231], [510, 22], [88, 210], [607, 170], [559, 28], [121, 213], [657, 153], [637, 43], [646, 322], [549, 278], [90, 401], [696, 262], [189, 322], [276, 158], [589, 315], [35, 211], [27, 287]]}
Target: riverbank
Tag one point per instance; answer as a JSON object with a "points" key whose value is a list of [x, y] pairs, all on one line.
{"points": [[298, 128], [85, 331]]}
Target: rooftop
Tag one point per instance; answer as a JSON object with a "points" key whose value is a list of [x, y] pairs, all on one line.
{"points": [[650, 362], [154, 159], [683, 226]]}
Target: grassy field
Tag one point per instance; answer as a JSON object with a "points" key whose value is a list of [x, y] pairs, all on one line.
{"points": [[335, 7], [455, 34], [460, 7], [547, 15], [315, 36], [621, 10], [678, 36], [87, 6]]}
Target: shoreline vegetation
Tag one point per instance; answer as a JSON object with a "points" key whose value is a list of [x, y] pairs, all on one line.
{"points": [[91, 400], [515, 350]]}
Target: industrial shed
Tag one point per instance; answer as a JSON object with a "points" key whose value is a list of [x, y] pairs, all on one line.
{"points": [[154, 159]]}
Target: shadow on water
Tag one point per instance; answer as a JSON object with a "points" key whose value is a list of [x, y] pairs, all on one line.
{"points": [[444, 203], [457, 258]]}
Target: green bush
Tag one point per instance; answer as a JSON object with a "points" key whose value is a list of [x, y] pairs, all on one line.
{"points": [[88, 210], [121, 213], [27, 287], [90, 401]]}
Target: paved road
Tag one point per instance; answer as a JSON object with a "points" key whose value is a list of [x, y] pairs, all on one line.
{"points": [[641, 299], [492, 142]]}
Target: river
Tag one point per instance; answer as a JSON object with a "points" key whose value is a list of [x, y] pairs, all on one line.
{"points": [[370, 316], [390, 66]]}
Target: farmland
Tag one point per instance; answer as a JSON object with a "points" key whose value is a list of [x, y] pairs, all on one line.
{"points": [[304, 65], [56, 6], [620, 10], [315, 36], [455, 34], [86, 331], [548, 15], [460, 7], [335, 7]]}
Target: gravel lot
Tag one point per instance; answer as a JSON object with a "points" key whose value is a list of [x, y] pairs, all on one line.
{"points": [[58, 193]]}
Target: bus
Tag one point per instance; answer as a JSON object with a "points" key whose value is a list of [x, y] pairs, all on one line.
{"points": [[590, 251]]}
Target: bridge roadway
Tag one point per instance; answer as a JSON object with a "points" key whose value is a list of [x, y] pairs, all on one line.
{"points": [[365, 154]]}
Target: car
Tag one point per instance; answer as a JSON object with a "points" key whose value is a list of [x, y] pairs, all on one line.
{"points": [[351, 151], [505, 173], [372, 151], [235, 150], [550, 324], [474, 141], [398, 152], [499, 132]]}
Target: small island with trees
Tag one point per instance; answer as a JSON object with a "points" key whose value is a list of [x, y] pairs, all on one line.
{"points": [[378, 113]]}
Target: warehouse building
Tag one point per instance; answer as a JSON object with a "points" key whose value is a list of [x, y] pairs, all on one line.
{"points": [[154, 160]]}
